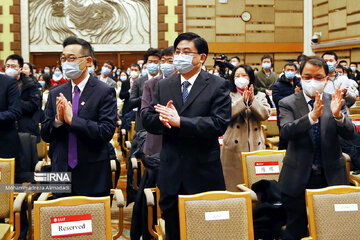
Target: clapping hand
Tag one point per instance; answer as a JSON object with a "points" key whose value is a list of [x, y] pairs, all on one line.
{"points": [[318, 107], [168, 114], [337, 101], [248, 95], [66, 106]]}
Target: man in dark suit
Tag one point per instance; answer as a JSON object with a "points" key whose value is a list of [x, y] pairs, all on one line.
{"points": [[311, 121], [126, 87], [80, 118], [191, 110], [10, 112], [152, 59]]}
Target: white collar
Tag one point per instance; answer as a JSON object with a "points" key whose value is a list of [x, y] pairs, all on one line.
{"points": [[190, 80], [81, 85]]}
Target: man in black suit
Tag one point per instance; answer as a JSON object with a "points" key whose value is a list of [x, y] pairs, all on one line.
{"points": [[152, 59], [10, 112], [80, 117], [126, 87], [311, 121], [191, 110]]}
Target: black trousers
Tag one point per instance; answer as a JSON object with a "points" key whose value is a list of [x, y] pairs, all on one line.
{"points": [[295, 207]]}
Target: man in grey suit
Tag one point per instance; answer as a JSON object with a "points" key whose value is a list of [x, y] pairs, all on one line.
{"points": [[107, 72], [311, 121]]}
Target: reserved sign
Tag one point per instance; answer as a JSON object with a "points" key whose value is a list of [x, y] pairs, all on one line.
{"points": [[221, 215], [346, 207], [272, 118], [267, 168], [73, 225]]}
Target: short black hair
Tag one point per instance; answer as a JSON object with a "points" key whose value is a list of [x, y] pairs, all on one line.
{"points": [[152, 52], [290, 64], [47, 79], [31, 67], [135, 65], [302, 58], [59, 67], [249, 71], [340, 66], [16, 57], [330, 53], [354, 63], [111, 63], [316, 61], [95, 62], [86, 46], [343, 61], [48, 66], [199, 42], [169, 51], [236, 57], [267, 56]]}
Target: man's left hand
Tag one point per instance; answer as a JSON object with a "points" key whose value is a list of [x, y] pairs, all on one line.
{"points": [[168, 114], [336, 102]]}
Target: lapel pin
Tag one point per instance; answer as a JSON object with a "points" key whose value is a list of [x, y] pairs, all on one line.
{"points": [[82, 103]]}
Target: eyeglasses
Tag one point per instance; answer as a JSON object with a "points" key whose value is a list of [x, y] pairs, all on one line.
{"points": [[70, 59], [185, 52], [317, 77]]}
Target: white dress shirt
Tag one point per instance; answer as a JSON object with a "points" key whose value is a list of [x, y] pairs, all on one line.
{"points": [[190, 80]]}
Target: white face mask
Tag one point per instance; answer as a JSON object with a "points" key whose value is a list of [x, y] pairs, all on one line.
{"points": [[134, 74], [12, 72], [311, 86], [242, 82], [183, 63]]}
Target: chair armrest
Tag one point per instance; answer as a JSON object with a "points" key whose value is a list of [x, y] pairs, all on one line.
{"points": [[149, 197], [39, 165], [128, 144], [134, 163], [19, 201], [123, 131], [44, 196], [307, 238], [113, 165], [119, 123], [119, 198], [346, 157], [242, 188]]}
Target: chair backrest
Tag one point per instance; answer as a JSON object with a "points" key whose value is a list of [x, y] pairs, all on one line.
{"points": [[7, 176], [46, 212], [262, 164], [216, 215], [333, 212], [271, 124], [354, 110]]}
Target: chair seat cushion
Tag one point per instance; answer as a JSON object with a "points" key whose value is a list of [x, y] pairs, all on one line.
{"points": [[5, 231]]}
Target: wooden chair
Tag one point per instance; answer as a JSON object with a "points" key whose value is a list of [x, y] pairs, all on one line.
{"points": [[354, 110], [151, 202], [271, 131], [259, 165], [11, 229], [136, 162], [98, 207], [216, 215], [333, 213]]}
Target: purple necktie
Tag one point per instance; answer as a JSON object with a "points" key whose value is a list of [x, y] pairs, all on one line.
{"points": [[72, 154]]}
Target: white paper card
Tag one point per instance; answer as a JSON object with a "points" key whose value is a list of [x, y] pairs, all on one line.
{"points": [[221, 215], [346, 207], [272, 118], [74, 225], [267, 168]]}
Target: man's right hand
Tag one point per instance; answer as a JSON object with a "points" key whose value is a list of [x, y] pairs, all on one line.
{"points": [[318, 107], [59, 109]]}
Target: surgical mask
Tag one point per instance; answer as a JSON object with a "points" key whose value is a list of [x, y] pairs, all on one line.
{"points": [[46, 71], [12, 72], [42, 83], [105, 70], [128, 72], [266, 66], [91, 70], [331, 66], [183, 63], [234, 64], [71, 70], [242, 82], [167, 69], [153, 68], [297, 66], [118, 73], [312, 86], [144, 72], [289, 74], [353, 69], [134, 74], [216, 74], [123, 78], [57, 74]]}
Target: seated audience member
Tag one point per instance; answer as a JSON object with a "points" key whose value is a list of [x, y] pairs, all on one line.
{"points": [[106, 75], [249, 109], [45, 82], [57, 77], [287, 84]]}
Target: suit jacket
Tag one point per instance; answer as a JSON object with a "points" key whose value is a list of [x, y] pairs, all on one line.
{"points": [[10, 112], [109, 81], [135, 99], [190, 155], [94, 127], [297, 130], [125, 95], [153, 141]]}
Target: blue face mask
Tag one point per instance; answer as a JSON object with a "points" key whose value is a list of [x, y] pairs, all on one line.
{"points": [[91, 70], [331, 66], [183, 63], [118, 73], [353, 69], [57, 74], [123, 78], [153, 68], [290, 75], [46, 71], [144, 72], [266, 66], [297, 66], [42, 83], [167, 69], [71, 70], [105, 70]]}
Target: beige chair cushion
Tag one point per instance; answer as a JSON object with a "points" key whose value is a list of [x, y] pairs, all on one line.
{"points": [[97, 211], [332, 225], [198, 228], [5, 231], [250, 165], [5, 196]]}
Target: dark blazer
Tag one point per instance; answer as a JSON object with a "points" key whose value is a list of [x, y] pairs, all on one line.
{"points": [[135, 99], [94, 127], [190, 156], [296, 128], [10, 112], [153, 142], [125, 95]]}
